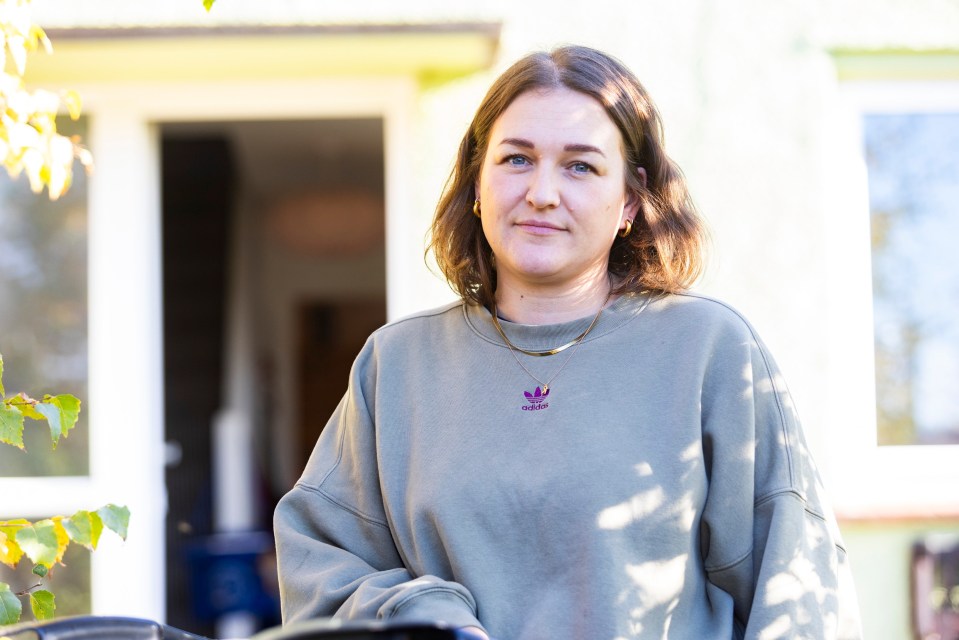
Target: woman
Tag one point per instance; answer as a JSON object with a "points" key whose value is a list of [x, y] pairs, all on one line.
{"points": [[578, 448]]}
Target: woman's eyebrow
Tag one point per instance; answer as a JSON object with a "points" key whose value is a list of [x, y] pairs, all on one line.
{"points": [[578, 148], [518, 142], [584, 148]]}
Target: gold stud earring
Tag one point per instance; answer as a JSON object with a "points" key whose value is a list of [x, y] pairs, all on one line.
{"points": [[629, 228], [476, 208]]}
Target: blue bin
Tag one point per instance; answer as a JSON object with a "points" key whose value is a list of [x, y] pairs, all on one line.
{"points": [[229, 574]]}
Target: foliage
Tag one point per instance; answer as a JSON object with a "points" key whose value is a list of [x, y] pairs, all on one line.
{"points": [[44, 542], [61, 413], [29, 142]]}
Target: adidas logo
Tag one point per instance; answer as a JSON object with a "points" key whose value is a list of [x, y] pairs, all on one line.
{"points": [[536, 400]]}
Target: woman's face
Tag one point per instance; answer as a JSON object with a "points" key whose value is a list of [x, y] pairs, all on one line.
{"points": [[552, 190]]}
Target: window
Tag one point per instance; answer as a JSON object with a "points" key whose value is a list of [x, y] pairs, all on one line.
{"points": [[912, 161], [892, 167], [43, 313], [43, 339]]}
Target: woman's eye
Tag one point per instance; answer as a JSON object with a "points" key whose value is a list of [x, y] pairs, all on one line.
{"points": [[581, 167], [516, 161]]}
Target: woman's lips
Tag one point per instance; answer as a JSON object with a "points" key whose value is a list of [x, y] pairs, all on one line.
{"points": [[537, 227]]}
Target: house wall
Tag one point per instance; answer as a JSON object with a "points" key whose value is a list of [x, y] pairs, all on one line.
{"points": [[880, 554], [750, 95]]}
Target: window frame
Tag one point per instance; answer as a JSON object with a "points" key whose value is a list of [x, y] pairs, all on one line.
{"points": [[873, 481]]}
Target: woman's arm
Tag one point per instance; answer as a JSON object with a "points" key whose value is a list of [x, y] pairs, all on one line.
{"points": [[771, 542], [336, 554]]}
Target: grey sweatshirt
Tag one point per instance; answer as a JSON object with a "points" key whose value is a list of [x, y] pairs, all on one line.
{"points": [[662, 488]]}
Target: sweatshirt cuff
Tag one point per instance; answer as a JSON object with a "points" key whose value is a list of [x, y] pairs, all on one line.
{"points": [[437, 604]]}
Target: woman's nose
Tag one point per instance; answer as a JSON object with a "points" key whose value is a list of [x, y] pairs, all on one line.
{"points": [[543, 192]]}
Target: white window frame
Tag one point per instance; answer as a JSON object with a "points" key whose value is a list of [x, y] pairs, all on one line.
{"points": [[872, 481]]}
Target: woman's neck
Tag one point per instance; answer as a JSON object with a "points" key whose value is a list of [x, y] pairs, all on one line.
{"points": [[551, 304]]}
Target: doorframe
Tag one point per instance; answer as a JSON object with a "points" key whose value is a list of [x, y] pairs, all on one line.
{"points": [[125, 286]]}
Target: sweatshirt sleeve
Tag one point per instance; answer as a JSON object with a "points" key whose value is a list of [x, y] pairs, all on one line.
{"points": [[770, 542], [335, 551]]}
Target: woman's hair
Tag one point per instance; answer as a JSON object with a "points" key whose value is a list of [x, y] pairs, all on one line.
{"points": [[664, 251]]}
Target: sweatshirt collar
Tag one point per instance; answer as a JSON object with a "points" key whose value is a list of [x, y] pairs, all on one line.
{"points": [[536, 337]]}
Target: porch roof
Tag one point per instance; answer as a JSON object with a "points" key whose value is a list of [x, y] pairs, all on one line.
{"points": [[431, 52]]}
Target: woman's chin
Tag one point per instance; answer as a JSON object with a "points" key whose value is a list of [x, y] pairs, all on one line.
{"points": [[535, 271]]}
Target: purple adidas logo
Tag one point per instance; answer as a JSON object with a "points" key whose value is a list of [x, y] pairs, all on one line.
{"points": [[536, 400]]}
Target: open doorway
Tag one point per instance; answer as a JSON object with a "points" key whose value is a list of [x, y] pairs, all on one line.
{"points": [[274, 275]]}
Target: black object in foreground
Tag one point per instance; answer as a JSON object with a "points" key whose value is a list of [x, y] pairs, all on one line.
{"points": [[326, 629], [95, 628]]}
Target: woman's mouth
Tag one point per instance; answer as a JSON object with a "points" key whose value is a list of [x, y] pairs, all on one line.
{"points": [[538, 227]]}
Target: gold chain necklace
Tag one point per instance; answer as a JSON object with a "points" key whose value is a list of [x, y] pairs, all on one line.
{"points": [[544, 386], [549, 352]]}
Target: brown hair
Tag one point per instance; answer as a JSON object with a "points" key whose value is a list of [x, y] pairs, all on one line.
{"points": [[664, 251]]}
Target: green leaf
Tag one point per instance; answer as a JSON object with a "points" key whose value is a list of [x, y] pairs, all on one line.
{"points": [[2, 393], [11, 425], [10, 607], [39, 542], [51, 412], [40, 570], [61, 413], [69, 406], [208, 4], [84, 528], [43, 604], [116, 519]]}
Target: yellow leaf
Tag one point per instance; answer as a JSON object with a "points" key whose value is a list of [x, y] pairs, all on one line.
{"points": [[57, 183], [85, 157], [74, 103], [19, 105], [37, 34], [25, 404], [45, 104], [9, 82], [10, 551], [17, 18], [13, 166], [23, 136], [44, 179], [34, 166], [61, 166], [63, 540]]}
